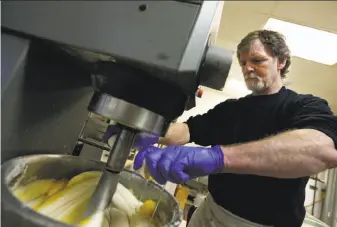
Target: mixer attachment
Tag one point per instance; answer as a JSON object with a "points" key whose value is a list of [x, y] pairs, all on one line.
{"points": [[108, 183]]}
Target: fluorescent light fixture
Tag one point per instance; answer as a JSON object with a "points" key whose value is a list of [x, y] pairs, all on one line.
{"points": [[306, 42]]}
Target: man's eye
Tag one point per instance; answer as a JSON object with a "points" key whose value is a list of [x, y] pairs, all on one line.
{"points": [[242, 63], [257, 61]]}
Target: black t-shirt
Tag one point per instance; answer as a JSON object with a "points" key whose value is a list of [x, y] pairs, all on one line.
{"points": [[264, 200]]}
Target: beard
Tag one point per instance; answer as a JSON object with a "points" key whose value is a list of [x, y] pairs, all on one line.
{"points": [[255, 84]]}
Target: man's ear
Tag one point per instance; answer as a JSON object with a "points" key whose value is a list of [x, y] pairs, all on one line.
{"points": [[281, 63]]}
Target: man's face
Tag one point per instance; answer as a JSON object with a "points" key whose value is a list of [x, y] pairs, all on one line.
{"points": [[259, 67]]}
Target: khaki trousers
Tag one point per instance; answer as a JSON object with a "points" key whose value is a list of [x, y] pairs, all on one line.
{"points": [[209, 214]]}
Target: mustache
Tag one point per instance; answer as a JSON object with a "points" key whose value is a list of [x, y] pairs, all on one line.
{"points": [[250, 76]]}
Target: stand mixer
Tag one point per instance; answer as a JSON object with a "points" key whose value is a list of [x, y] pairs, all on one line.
{"points": [[145, 61]]}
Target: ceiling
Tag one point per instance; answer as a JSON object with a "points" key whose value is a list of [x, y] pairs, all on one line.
{"points": [[241, 17]]}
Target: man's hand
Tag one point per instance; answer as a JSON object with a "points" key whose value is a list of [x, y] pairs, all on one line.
{"points": [[180, 163], [142, 139]]}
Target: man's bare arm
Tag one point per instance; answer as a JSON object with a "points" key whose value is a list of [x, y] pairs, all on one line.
{"points": [[177, 134], [292, 154]]}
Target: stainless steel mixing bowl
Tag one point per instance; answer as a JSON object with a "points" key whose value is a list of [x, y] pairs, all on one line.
{"points": [[22, 169]]}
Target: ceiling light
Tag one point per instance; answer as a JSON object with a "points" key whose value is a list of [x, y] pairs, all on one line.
{"points": [[306, 42]]}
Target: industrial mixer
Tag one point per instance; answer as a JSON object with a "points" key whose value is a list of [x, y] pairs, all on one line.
{"points": [[138, 64]]}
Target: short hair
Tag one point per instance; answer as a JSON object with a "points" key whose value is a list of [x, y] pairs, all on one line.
{"points": [[273, 41]]}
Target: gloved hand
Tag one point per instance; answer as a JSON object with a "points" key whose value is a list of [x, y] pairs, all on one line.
{"points": [[142, 139], [180, 163]]}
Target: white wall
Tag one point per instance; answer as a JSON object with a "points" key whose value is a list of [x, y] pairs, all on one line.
{"points": [[316, 79], [209, 99]]}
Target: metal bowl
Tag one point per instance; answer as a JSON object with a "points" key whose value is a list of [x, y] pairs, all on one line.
{"points": [[26, 168]]}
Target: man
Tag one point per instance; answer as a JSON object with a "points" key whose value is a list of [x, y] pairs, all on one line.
{"points": [[263, 148]]}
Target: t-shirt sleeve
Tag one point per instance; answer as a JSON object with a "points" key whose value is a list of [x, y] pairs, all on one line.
{"points": [[314, 113], [204, 128]]}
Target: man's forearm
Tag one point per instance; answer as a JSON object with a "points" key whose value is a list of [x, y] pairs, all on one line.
{"points": [[291, 154], [177, 134]]}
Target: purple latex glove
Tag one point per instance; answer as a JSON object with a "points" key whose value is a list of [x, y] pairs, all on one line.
{"points": [[142, 139], [180, 163]]}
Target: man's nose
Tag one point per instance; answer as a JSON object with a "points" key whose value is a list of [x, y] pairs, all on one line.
{"points": [[248, 68]]}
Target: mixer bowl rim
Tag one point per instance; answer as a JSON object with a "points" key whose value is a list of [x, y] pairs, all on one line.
{"points": [[23, 210]]}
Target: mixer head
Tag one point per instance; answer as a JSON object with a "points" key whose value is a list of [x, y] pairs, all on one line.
{"points": [[128, 96], [132, 97]]}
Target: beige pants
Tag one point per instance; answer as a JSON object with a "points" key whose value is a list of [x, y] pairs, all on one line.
{"points": [[209, 214]]}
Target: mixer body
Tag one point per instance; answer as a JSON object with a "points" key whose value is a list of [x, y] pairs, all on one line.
{"points": [[140, 71], [134, 64]]}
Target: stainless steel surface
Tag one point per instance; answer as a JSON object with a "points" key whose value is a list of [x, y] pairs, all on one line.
{"points": [[120, 150], [126, 113], [329, 214], [334, 207], [108, 183], [14, 213], [334, 213]]}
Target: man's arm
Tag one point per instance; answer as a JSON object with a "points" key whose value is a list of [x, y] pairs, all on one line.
{"points": [[292, 154], [308, 147], [198, 128], [177, 134]]}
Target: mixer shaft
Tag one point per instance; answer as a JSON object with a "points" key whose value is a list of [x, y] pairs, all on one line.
{"points": [[108, 183]]}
